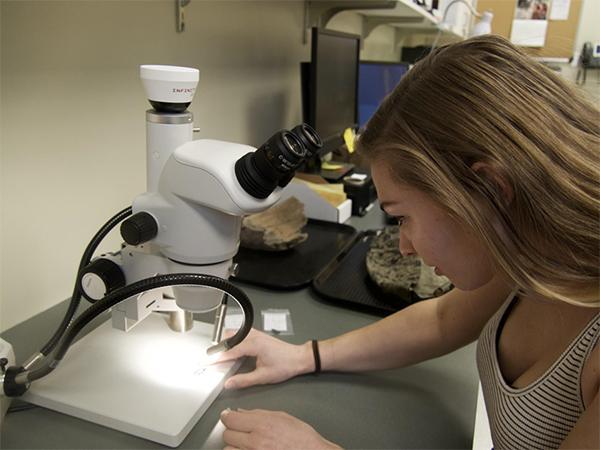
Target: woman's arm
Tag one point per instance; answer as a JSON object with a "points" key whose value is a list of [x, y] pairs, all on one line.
{"points": [[424, 330], [419, 332]]}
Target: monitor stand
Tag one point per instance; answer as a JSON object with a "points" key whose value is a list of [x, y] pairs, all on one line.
{"points": [[150, 382]]}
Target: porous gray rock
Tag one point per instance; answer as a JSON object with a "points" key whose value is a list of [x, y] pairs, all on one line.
{"points": [[400, 275]]}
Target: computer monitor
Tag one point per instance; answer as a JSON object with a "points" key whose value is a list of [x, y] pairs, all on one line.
{"points": [[375, 81], [329, 85]]}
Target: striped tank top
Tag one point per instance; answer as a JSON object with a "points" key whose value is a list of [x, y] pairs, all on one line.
{"points": [[541, 415]]}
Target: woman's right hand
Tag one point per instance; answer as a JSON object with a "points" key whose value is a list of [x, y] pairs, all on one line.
{"points": [[276, 361]]}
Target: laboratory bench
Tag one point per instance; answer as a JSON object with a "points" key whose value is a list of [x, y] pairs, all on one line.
{"points": [[428, 405]]}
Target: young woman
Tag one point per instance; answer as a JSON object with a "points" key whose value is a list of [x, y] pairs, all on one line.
{"points": [[491, 164]]}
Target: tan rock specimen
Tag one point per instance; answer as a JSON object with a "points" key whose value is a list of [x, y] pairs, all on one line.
{"points": [[276, 229]]}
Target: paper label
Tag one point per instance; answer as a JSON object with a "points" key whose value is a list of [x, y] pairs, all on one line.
{"points": [[275, 322]]}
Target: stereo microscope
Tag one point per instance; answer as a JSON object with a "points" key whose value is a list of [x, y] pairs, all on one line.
{"points": [[134, 373]]}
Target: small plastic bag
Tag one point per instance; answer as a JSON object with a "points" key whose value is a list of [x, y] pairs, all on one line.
{"points": [[277, 322]]}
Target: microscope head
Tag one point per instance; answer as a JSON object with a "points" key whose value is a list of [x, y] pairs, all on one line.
{"points": [[170, 89]]}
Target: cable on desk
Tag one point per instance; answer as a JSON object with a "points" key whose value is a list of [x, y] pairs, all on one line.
{"points": [[21, 407]]}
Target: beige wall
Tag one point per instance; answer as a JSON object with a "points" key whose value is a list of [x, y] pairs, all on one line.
{"points": [[588, 30], [72, 114]]}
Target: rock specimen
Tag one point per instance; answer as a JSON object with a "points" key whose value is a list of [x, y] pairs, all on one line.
{"points": [[276, 229], [398, 275]]}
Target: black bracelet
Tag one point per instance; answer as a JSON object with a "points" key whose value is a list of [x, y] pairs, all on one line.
{"points": [[315, 347]]}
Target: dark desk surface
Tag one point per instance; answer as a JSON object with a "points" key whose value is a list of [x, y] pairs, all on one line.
{"points": [[429, 405]]}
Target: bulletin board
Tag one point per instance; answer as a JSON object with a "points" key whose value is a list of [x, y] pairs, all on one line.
{"points": [[560, 36]]}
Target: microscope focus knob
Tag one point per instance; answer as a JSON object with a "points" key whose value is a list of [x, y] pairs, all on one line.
{"points": [[99, 278], [139, 228]]}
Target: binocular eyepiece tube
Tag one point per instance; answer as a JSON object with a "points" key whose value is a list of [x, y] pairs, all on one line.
{"points": [[273, 164]]}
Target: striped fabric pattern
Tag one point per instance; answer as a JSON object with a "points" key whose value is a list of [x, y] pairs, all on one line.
{"points": [[541, 415]]}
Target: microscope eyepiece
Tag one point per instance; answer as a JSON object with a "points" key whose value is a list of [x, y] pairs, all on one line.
{"points": [[284, 151], [293, 145], [273, 163], [309, 137]]}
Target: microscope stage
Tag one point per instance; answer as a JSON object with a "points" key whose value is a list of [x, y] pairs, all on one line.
{"points": [[150, 382]]}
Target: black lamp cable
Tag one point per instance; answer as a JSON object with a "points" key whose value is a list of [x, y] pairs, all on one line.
{"points": [[85, 260], [23, 378]]}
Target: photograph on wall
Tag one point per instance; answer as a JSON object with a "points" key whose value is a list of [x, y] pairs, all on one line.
{"points": [[530, 23], [532, 9]]}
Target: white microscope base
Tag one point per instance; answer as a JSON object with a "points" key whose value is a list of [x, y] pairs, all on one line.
{"points": [[150, 382]]}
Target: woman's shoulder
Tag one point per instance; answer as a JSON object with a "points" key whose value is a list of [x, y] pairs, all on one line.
{"points": [[473, 309]]}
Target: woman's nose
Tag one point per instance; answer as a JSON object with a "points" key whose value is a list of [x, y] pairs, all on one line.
{"points": [[405, 246]]}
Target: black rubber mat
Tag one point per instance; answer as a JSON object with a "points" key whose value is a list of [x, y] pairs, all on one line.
{"points": [[347, 283], [297, 267]]}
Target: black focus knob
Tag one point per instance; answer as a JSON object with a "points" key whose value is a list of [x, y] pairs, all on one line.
{"points": [[99, 278], [139, 228]]}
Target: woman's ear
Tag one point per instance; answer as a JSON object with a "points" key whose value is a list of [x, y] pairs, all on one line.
{"points": [[486, 170]]}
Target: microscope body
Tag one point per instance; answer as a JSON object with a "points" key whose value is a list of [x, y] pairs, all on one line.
{"points": [[198, 209], [196, 212], [199, 203], [189, 219]]}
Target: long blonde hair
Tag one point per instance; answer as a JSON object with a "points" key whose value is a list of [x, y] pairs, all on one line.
{"points": [[483, 100]]}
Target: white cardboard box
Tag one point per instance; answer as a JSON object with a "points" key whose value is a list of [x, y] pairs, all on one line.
{"points": [[315, 207]]}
